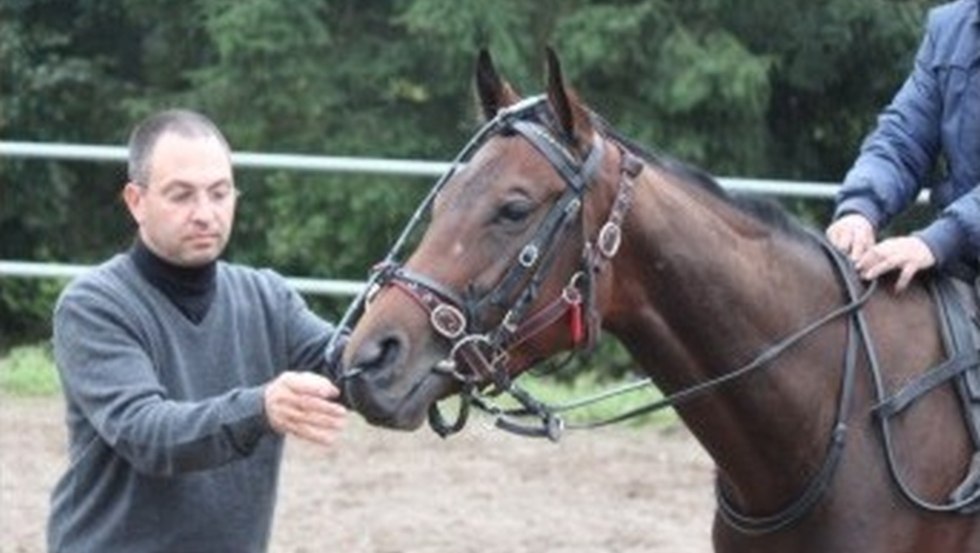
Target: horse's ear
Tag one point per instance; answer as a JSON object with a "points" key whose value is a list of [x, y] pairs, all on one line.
{"points": [[572, 116], [494, 93]]}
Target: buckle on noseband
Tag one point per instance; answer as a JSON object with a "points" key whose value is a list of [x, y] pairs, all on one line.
{"points": [[448, 320]]}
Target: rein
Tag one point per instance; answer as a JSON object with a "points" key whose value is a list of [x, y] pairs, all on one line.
{"points": [[702, 388]]}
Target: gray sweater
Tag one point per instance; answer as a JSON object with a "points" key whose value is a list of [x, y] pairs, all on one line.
{"points": [[169, 447]]}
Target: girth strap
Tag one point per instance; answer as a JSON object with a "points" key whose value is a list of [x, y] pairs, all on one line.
{"points": [[924, 383]]}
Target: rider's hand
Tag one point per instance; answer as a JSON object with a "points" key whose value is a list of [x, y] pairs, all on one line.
{"points": [[303, 405], [852, 234], [908, 254]]}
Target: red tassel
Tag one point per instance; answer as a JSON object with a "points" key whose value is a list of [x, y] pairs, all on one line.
{"points": [[578, 328]]}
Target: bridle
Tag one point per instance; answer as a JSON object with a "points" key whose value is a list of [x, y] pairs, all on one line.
{"points": [[478, 357]]}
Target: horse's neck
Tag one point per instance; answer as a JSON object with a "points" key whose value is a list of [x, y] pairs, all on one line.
{"points": [[714, 275], [701, 288]]}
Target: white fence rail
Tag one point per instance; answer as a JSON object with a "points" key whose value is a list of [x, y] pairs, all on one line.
{"points": [[333, 164], [255, 160], [29, 269]]}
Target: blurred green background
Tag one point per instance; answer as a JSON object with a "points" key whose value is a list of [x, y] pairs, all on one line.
{"points": [[780, 89]]}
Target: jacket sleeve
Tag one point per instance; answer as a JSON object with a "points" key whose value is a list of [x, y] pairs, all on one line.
{"points": [[897, 157], [957, 226], [107, 374]]}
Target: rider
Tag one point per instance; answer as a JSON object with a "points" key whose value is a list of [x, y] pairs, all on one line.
{"points": [[936, 113]]}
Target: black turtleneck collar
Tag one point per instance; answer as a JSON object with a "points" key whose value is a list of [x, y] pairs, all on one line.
{"points": [[191, 289]]}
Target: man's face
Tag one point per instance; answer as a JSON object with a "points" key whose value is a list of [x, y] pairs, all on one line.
{"points": [[186, 210]]}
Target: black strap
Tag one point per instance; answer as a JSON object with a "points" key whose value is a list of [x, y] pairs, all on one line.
{"points": [[576, 175], [924, 383]]}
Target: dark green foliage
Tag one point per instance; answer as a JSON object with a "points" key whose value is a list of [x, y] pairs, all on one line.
{"points": [[769, 88]]}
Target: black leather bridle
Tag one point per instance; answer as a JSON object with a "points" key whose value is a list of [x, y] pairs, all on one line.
{"points": [[479, 357]]}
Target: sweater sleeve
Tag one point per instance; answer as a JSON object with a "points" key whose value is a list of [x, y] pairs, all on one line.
{"points": [[898, 155], [308, 338], [307, 334], [108, 376]]}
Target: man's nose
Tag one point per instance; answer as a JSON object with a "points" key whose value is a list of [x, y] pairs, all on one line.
{"points": [[204, 209]]}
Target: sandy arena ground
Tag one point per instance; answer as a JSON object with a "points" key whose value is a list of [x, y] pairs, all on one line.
{"points": [[617, 490]]}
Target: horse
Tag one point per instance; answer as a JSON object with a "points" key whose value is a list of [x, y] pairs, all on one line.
{"points": [[552, 227]]}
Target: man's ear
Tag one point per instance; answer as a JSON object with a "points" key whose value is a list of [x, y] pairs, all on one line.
{"points": [[132, 195]]}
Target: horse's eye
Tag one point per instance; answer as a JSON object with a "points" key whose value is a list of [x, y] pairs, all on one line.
{"points": [[514, 211]]}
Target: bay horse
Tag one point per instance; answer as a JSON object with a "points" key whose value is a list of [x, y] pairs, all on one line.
{"points": [[557, 226]]}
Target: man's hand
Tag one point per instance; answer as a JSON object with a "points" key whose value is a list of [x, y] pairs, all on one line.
{"points": [[302, 405], [852, 234], [907, 254]]}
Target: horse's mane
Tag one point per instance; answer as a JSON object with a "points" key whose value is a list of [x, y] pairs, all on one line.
{"points": [[764, 210]]}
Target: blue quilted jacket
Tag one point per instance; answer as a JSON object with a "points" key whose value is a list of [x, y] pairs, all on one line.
{"points": [[935, 115]]}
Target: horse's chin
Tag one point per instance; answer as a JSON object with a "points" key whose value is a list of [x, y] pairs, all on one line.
{"points": [[380, 405]]}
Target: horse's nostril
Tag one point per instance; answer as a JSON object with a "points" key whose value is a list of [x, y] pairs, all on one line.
{"points": [[379, 353], [390, 348]]}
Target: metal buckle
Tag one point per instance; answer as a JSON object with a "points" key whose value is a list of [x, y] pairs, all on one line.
{"points": [[573, 207], [609, 239], [448, 320], [571, 295], [528, 256]]}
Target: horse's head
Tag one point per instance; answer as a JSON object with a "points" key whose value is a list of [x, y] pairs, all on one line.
{"points": [[506, 273]]}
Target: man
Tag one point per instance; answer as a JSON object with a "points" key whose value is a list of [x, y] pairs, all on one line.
{"points": [[174, 368], [935, 113]]}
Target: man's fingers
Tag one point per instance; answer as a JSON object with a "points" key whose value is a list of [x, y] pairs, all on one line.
{"points": [[905, 277], [908, 255], [292, 413], [310, 383], [317, 411], [877, 269], [301, 407], [319, 404], [307, 422], [315, 426], [316, 434], [842, 238], [300, 404], [851, 234], [311, 426], [860, 244]]}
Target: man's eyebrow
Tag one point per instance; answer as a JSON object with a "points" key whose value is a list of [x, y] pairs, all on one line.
{"points": [[184, 185], [175, 184], [219, 182]]}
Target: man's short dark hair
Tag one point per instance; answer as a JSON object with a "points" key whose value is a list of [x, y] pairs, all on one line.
{"points": [[143, 139]]}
